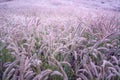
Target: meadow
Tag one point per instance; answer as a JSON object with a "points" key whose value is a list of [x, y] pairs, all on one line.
{"points": [[58, 43]]}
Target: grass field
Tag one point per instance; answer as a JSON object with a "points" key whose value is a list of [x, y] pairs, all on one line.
{"points": [[59, 40]]}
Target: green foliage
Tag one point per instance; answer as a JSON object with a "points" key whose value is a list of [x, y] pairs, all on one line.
{"points": [[5, 56]]}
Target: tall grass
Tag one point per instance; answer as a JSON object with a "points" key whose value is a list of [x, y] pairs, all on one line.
{"points": [[31, 51]]}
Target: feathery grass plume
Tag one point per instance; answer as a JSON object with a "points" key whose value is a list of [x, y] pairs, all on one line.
{"points": [[79, 79], [83, 76], [43, 75], [29, 75], [56, 73], [110, 36], [59, 66], [7, 71]]}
